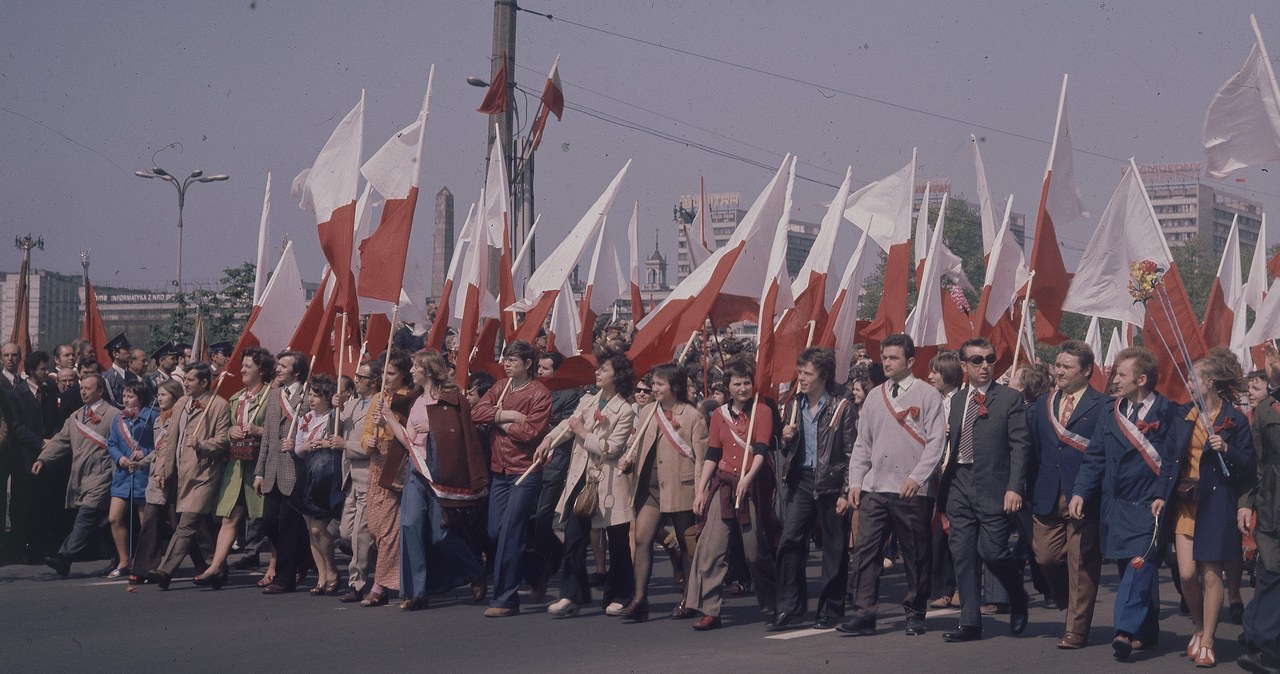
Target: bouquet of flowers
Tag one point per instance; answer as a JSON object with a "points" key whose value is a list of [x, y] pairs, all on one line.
{"points": [[1144, 277]]}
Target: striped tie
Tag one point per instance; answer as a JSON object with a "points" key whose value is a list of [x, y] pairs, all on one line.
{"points": [[965, 450]]}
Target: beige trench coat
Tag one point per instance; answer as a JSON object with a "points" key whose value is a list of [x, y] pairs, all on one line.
{"points": [[606, 440]]}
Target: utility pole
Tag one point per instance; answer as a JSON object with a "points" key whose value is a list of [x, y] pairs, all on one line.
{"points": [[519, 168]]}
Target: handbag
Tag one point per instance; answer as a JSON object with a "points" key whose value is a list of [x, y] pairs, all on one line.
{"points": [[1187, 489], [246, 448], [588, 501]]}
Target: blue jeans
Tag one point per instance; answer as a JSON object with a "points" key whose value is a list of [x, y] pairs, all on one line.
{"points": [[510, 508], [424, 543], [1137, 610]]}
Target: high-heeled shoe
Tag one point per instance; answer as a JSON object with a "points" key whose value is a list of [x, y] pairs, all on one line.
{"points": [[323, 589], [207, 579], [636, 611], [266, 580]]}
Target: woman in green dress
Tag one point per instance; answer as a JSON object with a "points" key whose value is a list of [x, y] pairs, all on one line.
{"points": [[237, 499]]}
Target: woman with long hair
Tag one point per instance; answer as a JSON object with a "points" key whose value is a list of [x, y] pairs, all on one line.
{"points": [[667, 460], [448, 474], [387, 457], [1204, 499], [237, 498], [130, 441], [320, 479], [601, 429], [157, 515]]}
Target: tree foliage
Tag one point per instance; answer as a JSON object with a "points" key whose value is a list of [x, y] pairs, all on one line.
{"points": [[223, 310]]}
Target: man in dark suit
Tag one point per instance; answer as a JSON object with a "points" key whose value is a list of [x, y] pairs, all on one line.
{"points": [[984, 482], [547, 546], [35, 403], [1066, 549], [118, 373], [1133, 461]]}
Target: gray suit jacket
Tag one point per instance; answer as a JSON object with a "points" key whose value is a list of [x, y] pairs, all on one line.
{"points": [[277, 469], [1001, 445]]}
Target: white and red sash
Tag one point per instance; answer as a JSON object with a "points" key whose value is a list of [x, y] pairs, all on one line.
{"points": [[1066, 437], [90, 434], [669, 431], [286, 409], [1136, 438], [126, 435], [907, 417]]}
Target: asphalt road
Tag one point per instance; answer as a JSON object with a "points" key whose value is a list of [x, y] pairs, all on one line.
{"points": [[85, 623]]}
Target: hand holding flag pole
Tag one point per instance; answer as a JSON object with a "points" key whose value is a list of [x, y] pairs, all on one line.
{"points": [[625, 464]]}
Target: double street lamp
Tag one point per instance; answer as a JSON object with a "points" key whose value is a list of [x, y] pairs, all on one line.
{"points": [[196, 176]]}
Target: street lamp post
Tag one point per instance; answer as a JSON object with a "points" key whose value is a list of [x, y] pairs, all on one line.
{"points": [[196, 176]]}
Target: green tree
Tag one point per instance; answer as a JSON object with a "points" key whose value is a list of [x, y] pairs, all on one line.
{"points": [[224, 310]]}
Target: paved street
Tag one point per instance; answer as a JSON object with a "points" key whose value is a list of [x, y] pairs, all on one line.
{"points": [[85, 623]]}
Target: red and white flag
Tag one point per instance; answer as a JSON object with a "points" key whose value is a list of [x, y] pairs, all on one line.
{"points": [[1242, 126], [1266, 325], [494, 214], [1255, 289], [1093, 337], [986, 208], [1226, 292], [273, 319], [633, 257], [519, 277], [605, 285], [264, 236], [925, 324], [563, 331], [1060, 204], [725, 288], [552, 100], [448, 303], [550, 276], [883, 210], [1006, 277], [1128, 233], [394, 171], [475, 302], [841, 327], [775, 298]]}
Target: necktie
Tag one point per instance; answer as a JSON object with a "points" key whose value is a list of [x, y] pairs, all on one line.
{"points": [[965, 450], [1068, 407], [896, 389], [1134, 408]]}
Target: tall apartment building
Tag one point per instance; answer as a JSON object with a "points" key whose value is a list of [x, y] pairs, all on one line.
{"points": [[56, 310], [1190, 208]]}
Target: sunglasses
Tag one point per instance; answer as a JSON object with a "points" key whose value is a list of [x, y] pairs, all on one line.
{"points": [[645, 391], [989, 359]]}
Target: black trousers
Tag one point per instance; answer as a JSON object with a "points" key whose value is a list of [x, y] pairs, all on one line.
{"points": [[979, 537], [546, 545], [153, 539], [801, 508], [944, 570], [880, 514], [282, 522], [620, 579]]}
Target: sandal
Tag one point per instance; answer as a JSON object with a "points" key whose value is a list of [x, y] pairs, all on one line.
{"points": [[1205, 657], [1193, 647], [374, 599], [266, 580]]}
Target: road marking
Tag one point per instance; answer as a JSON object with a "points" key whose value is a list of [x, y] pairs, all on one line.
{"points": [[799, 634]]}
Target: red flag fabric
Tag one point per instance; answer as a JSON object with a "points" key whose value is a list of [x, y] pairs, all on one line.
{"points": [[91, 330], [21, 334], [1160, 334], [496, 98], [552, 104], [1226, 292], [386, 250], [891, 314], [377, 334]]}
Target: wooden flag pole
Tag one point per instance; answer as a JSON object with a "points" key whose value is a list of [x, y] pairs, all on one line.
{"points": [[746, 449], [795, 409], [293, 425], [383, 401], [342, 349], [1022, 320]]}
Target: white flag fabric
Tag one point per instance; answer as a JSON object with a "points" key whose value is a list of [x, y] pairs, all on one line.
{"points": [[564, 328], [1242, 127], [1093, 336], [1114, 347], [925, 324], [1256, 287], [333, 181], [283, 302], [260, 270], [844, 311], [1127, 232], [986, 210], [883, 208], [1266, 326], [1006, 271]]}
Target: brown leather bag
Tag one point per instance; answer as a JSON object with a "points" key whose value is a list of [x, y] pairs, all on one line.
{"points": [[246, 448]]}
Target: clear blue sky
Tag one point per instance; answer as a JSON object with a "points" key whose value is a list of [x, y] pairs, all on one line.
{"points": [[91, 92]]}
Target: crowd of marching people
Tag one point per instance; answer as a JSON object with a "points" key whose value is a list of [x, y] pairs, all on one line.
{"points": [[963, 480]]}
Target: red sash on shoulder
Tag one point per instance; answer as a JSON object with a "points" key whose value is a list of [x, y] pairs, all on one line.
{"points": [[90, 434], [126, 435], [1139, 441], [1065, 436], [673, 437], [907, 417]]}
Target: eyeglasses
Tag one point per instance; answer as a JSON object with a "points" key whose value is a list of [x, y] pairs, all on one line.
{"points": [[989, 359], [365, 377], [645, 391]]}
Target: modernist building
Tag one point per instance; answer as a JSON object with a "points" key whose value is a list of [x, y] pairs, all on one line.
{"points": [[725, 213], [1190, 208]]}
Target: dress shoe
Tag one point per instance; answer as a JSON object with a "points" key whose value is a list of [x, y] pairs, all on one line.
{"points": [[563, 608], [160, 578], [858, 626], [916, 627], [1122, 646], [1071, 641], [277, 588], [825, 622], [1140, 645], [681, 612], [615, 609], [636, 611], [59, 564], [1018, 619], [538, 590], [596, 580], [1237, 612], [106, 571], [251, 561], [707, 622], [963, 633], [351, 596], [479, 589], [784, 621], [413, 603], [498, 612], [1257, 662]]}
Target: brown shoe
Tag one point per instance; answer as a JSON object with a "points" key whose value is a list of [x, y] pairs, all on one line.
{"points": [[496, 612], [413, 603], [707, 622], [375, 599], [1071, 641], [479, 589]]}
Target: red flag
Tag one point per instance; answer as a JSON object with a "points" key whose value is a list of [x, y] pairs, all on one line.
{"points": [[21, 334], [891, 314], [272, 321], [552, 104], [1158, 335], [91, 330], [1060, 203], [495, 99]]}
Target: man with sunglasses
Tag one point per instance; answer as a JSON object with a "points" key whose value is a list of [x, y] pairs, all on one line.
{"points": [[984, 478]]}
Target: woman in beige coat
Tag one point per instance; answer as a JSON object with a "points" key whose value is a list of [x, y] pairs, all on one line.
{"points": [[601, 428], [672, 447]]}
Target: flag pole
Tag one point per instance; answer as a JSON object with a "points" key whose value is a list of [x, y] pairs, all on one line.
{"points": [[293, 425], [342, 350], [1017, 344], [630, 456]]}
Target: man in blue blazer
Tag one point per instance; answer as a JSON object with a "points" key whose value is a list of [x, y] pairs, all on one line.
{"points": [[1067, 550], [984, 479], [1132, 461]]}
